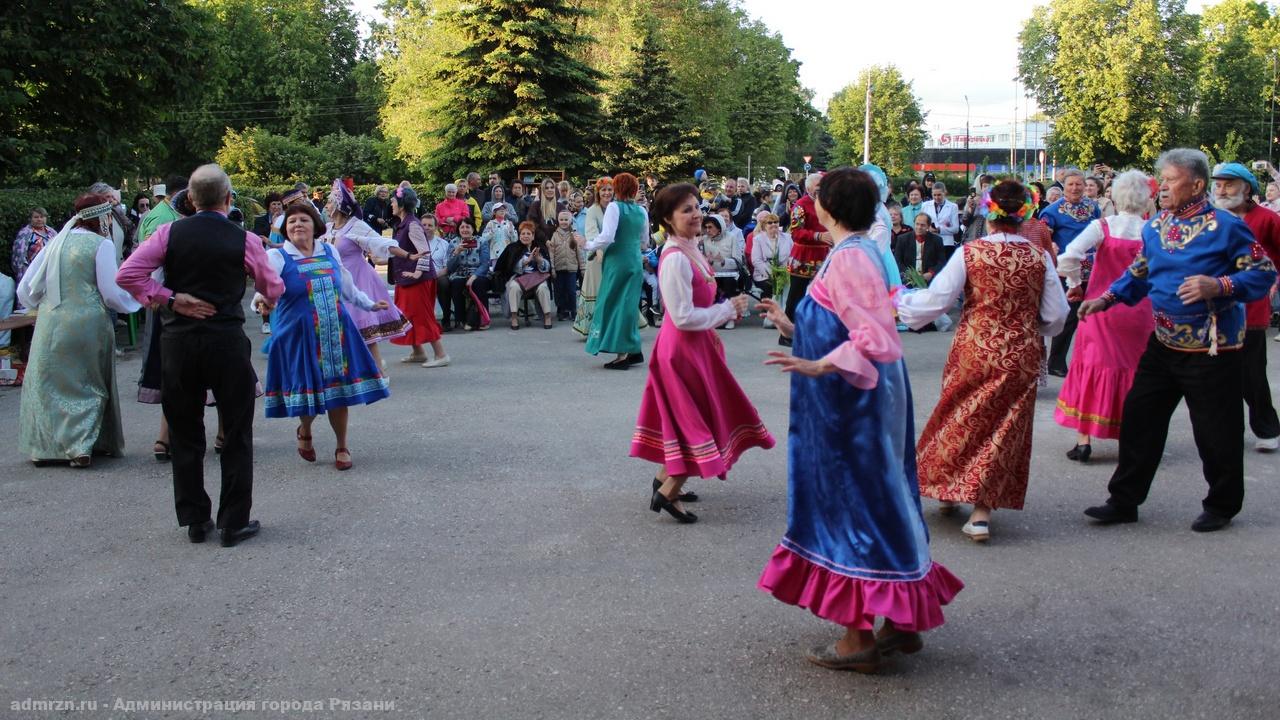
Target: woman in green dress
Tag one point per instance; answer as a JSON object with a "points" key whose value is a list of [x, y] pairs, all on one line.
{"points": [[621, 239], [70, 405]]}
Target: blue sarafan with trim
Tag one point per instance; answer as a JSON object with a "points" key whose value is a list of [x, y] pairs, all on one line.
{"points": [[1197, 240], [318, 359]]}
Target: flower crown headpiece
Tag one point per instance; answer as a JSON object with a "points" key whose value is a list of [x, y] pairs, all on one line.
{"points": [[995, 212]]}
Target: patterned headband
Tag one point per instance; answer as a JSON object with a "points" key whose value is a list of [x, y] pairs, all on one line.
{"points": [[94, 211]]}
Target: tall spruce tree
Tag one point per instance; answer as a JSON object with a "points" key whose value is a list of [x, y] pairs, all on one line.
{"points": [[519, 95], [649, 128]]}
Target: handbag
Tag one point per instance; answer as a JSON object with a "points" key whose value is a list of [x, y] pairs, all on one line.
{"points": [[529, 281]]}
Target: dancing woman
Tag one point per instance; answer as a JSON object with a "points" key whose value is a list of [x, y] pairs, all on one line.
{"points": [[623, 234], [694, 417], [1108, 346], [354, 239], [976, 447], [856, 546], [318, 362]]}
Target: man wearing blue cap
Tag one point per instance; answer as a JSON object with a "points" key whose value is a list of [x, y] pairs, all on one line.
{"points": [[1199, 265], [1234, 188]]}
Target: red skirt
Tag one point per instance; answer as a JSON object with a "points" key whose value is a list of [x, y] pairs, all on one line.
{"points": [[418, 303]]}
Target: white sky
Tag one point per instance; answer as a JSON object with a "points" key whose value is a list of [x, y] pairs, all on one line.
{"points": [[946, 49]]}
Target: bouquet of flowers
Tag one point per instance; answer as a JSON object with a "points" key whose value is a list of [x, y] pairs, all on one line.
{"points": [[912, 278]]}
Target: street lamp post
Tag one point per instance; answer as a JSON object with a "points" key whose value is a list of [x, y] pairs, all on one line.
{"points": [[966, 141]]}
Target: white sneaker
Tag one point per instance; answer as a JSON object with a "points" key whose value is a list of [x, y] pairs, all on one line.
{"points": [[979, 532], [1276, 338], [1267, 445], [730, 325], [266, 328], [768, 323], [438, 362]]}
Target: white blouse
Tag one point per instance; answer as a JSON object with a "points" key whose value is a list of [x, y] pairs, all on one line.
{"points": [[30, 294], [350, 293], [675, 282], [1124, 225], [609, 228], [922, 307]]}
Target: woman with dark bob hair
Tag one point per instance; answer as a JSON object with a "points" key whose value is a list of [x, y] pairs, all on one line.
{"points": [[856, 546], [976, 447], [318, 361], [694, 418]]}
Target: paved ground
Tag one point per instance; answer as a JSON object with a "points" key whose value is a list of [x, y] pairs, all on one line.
{"points": [[492, 556]]}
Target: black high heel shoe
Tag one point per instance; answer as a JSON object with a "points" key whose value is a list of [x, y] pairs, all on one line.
{"points": [[660, 502], [684, 496], [1080, 453]]}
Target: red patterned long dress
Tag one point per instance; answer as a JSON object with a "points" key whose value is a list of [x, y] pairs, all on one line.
{"points": [[976, 447]]}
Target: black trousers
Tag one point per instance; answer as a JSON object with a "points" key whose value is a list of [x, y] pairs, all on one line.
{"points": [[1213, 387], [1062, 341], [445, 298], [1257, 391], [191, 364], [796, 293], [464, 308]]}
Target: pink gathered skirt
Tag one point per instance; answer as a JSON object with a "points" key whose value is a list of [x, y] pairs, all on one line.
{"points": [[912, 605]]}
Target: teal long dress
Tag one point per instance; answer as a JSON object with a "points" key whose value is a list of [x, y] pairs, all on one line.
{"points": [[70, 403], [614, 328]]}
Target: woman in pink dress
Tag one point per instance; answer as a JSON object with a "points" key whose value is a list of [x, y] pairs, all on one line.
{"points": [[1108, 345], [694, 418]]}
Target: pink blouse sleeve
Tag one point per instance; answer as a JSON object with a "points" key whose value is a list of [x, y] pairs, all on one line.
{"points": [[857, 295]]}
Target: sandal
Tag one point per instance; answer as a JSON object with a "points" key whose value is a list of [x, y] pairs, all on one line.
{"points": [[308, 454], [341, 464], [161, 455]]}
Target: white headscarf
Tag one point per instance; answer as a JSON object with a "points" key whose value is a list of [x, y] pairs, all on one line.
{"points": [[46, 282]]}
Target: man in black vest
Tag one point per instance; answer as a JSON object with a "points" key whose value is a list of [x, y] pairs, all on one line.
{"points": [[203, 347]]}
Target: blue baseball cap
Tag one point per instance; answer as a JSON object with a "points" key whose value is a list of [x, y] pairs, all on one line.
{"points": [[1235, 171]]}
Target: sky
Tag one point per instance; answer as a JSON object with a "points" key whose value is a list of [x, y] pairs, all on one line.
{"points": [[947, 50]]}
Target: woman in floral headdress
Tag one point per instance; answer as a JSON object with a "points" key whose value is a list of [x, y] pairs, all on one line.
{"points": [[976, 447]]}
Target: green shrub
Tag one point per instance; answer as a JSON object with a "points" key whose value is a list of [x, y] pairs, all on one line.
{"points": [[15, 212]]}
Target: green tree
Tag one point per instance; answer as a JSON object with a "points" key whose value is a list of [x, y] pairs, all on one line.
{"points": [[1235, 81], [648, 128], [82, 85], [897, 123], [1129, 108], [519, 96]]}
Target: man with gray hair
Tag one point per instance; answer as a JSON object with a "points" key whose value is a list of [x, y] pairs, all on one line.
{"points": [[203, 347], [377, 209], [743, 204], [1199, 266]]}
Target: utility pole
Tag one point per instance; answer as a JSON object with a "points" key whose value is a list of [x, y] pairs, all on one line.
{"points": [[966, 141], [866, 126], [1271, 138]]}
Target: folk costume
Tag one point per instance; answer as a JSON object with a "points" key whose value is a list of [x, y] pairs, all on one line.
{"points": [[355, 240], [1066, 220], [621, 237], [976, 447], [1194, 352], [1109, 345], [70, 403], [694, 417], [856, 546]]}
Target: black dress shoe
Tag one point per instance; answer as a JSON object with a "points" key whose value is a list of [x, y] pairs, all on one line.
{"points": [[1057, 373], [784, 341], [660, 502], [619, 363], [1109, 514], [635, 358], [197, 532], [1080, 453], [1208, 522], [231, 537], [684, 496]]}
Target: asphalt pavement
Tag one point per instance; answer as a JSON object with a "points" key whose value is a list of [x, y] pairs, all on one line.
{"points": [[492, 555]]}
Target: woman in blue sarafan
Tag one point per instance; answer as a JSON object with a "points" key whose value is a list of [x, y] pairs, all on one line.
{"points": [[318, 362], [856, 546]]}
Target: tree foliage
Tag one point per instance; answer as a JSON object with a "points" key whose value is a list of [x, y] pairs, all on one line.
{"points": [[648, 126], [897, 123], [1235, 81], [1118, 76]]}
